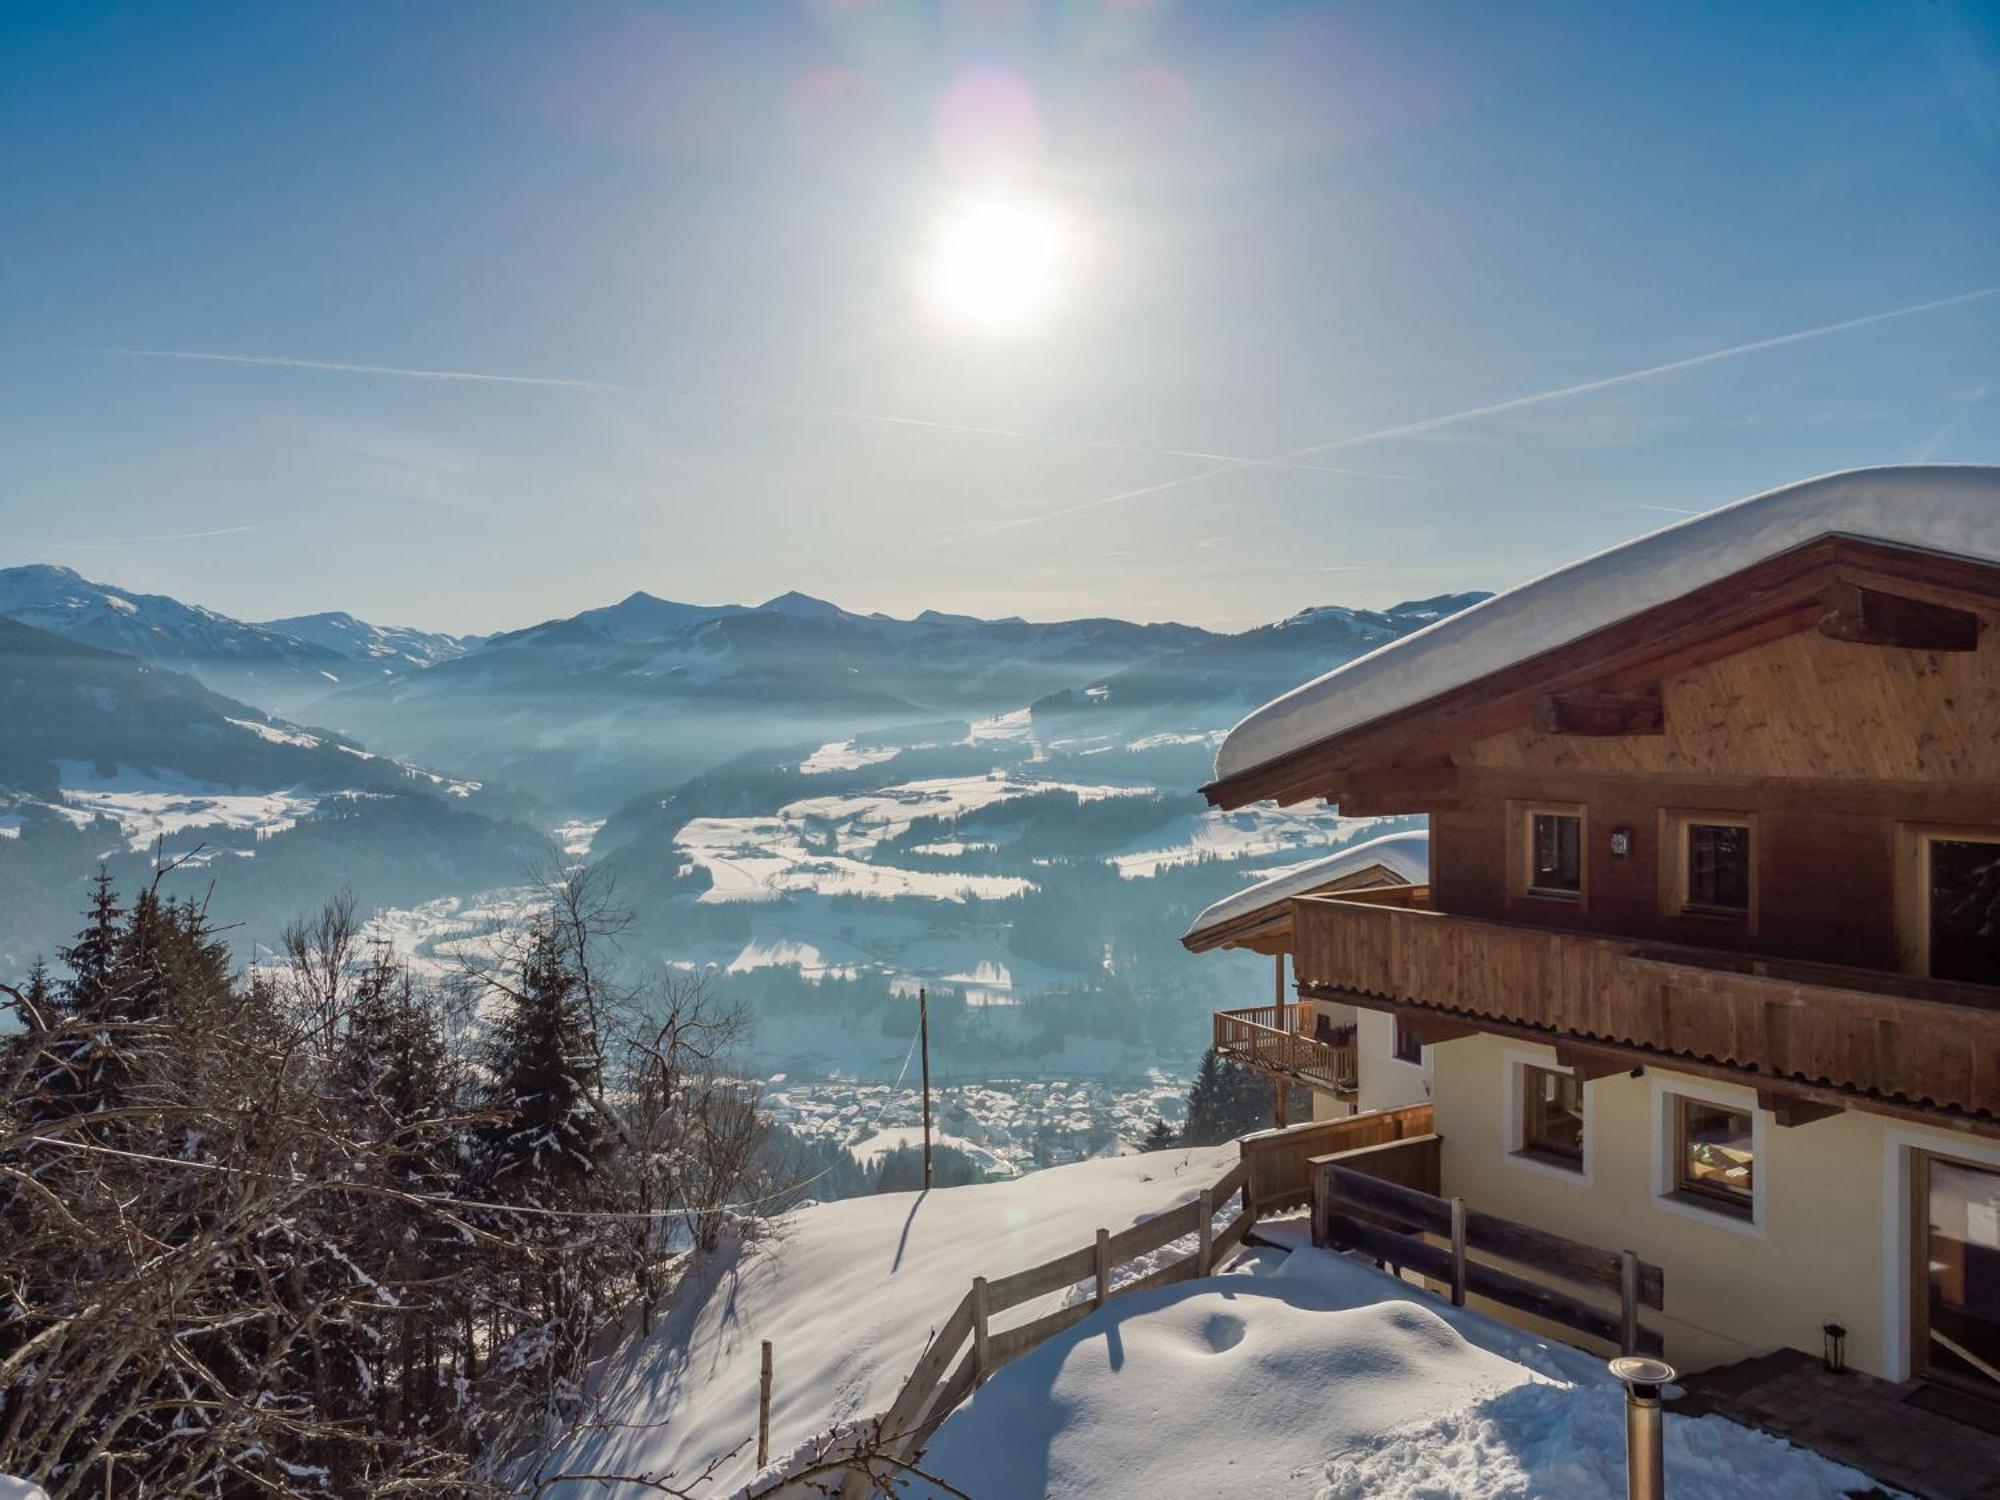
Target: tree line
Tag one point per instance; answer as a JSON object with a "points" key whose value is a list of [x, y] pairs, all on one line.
{"points": [[330, 1228]]}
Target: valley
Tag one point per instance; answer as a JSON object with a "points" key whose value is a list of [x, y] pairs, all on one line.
{"points": [[819, 813]]}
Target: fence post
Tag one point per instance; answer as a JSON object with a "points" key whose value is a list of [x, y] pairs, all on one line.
{"points": [[764, 1410], [1458, 1252], [1205, 1261], [1322, 1209], [1628, 1288], [980, 1350], [1103, 1266]]}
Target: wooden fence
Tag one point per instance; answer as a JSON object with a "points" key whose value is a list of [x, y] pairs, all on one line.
{"points": [[937, 1385], [1280, 1161], [1355, 1207]]}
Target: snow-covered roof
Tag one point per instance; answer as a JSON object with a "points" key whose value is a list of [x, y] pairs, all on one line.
{"points": [[1946, 509], [1407, 854]]}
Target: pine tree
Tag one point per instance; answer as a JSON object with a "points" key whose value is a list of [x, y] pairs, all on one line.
{"points": [[543, 1059], [1161, 1137], [1228, 1099]]}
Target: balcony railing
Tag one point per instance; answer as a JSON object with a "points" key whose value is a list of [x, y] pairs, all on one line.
{"points": [[1918, 1042], [1282, 1040]]}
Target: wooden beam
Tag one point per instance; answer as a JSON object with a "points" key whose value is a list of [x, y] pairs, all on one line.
{"points": [[1790, 1110], [1383, 791], [1601, 713], [1874, 617], [1638, 1058], [1589, 1064], [1431, 1029]]}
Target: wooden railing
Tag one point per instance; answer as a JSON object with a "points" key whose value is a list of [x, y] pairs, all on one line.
{"points": [[1278, 1039], [1920, 1041], [937, 1385], [1280, 1161], [1357, 1205]]}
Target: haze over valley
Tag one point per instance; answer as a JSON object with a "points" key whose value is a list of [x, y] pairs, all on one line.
{"points": [[820, 811]]}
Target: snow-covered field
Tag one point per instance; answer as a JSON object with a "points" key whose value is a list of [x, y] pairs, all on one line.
{"points": [[144, 816], [827, 844], [1304, 1374]]}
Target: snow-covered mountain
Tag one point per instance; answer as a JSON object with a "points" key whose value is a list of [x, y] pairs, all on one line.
{"points": [[1214, 682], [101, 755], [608, 703], [391, 648], [251, 662], [280, 665]]}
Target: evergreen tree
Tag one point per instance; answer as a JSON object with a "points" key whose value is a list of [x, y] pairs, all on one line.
{"points": [[548, 1139], [1228, 1099], [1161, 1137]]}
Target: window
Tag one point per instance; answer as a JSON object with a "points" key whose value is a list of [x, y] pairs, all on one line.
{"points": [[1718, 867], [1551, 1124], [1715, 1156], [1962, 900], [1555, 854], [1708, 866], [1409, 1046]]}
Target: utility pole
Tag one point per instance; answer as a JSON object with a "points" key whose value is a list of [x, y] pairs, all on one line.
{"points": [[924, 1041]]}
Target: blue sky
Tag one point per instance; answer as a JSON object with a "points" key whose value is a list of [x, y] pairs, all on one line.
{"points": [[699, 237]]}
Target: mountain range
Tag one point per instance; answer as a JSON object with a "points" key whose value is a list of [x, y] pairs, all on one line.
{"points": [[282, 665], [591, 709]]}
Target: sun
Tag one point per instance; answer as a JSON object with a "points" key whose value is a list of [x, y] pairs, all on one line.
{"points": [[996, 264]]}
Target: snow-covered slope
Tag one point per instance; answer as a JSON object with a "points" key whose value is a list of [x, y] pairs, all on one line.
{"points": [[251, 662], [848, 1293], [1954, 510], [388, 648], [1305, 1375]]}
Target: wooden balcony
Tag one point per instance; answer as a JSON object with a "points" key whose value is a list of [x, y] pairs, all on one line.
{"points": [[1826, 1034], [1280, 1040]]}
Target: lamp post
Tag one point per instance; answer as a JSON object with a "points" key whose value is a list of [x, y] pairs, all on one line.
{"points": [[1645, 1461]]}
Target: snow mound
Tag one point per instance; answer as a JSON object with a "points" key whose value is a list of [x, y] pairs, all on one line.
{"points": [[1323, 1378], [1236, 1385], [1952, 510]]}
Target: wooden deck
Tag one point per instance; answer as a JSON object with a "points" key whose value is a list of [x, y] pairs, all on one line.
{"points": [[1833, 1035], [1278, 1040]]}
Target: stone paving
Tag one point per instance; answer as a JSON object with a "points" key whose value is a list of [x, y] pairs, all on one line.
{"points": [[1853, 1419]]}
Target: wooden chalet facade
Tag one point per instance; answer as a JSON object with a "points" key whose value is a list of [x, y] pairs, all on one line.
{"points": [[1708, 963], [1349, 1060]]}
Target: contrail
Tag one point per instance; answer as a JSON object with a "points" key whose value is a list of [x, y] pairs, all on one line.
{"points": [[142, 541], [1493, 408], [751, 403]]}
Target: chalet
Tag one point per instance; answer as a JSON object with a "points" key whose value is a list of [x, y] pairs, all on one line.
{"points": [[1707, 963], [1349, 1059]]}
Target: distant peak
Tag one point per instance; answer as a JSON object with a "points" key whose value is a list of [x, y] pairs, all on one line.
{"points": [[801, 606]]}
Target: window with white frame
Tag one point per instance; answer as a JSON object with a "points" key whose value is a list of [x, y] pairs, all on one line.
{"points": [[1549, 1124], [1713, 1155]]}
